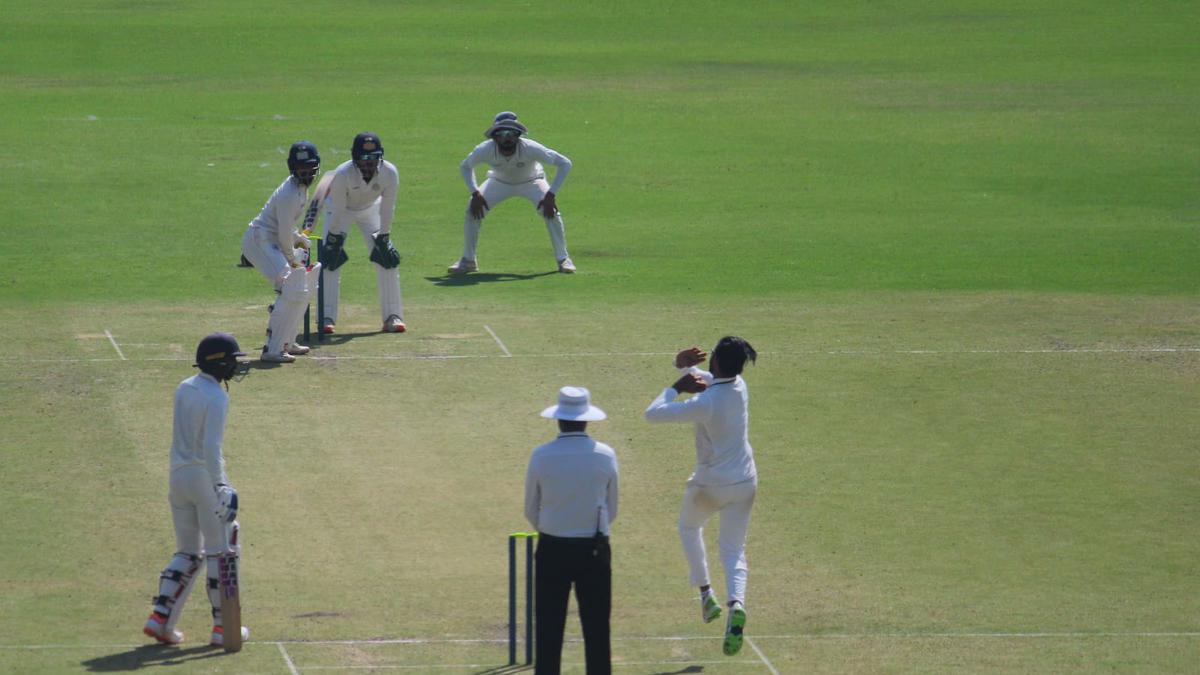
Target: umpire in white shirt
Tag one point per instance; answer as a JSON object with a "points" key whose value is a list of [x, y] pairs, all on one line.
{"points": [[571, 500]]}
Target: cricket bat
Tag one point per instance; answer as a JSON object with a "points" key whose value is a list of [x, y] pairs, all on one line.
{"points": [[231, 603], [313, 212]]}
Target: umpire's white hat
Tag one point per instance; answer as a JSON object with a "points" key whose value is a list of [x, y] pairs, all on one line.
{"points": [[574, 404]]}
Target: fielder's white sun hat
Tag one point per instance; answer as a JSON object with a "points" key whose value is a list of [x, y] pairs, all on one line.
{"points": [[574, 404]]}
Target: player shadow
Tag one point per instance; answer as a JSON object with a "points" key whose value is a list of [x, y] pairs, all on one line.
{"points": [[477, 278], [147, 656], [683, 671], [505, 670], [339, 339], [264, 365]]}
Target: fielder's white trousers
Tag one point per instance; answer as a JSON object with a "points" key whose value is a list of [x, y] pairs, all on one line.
{"points": [[196, 512], [495, 192], [734, 503], [387, 281]]}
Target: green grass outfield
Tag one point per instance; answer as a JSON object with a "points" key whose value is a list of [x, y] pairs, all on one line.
{"points": [[965, 238]]}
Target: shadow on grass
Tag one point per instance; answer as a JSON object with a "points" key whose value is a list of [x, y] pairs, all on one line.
{"points": [[148, 656], [339, 339], [476, 278], [682, 671], [505, 670]]}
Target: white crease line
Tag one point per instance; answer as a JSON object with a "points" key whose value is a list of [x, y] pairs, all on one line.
{"points": [[287, 659], [114, 344], [673, 638], [497, 339], [578, 355], [761, 655], [518, 667]]}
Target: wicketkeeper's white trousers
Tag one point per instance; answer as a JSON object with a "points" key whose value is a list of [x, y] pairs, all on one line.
{"points": [[386, 280], [494, 192], [734, 503]]}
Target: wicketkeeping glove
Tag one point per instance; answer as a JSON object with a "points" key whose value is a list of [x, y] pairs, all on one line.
{"points": [[384, 253], [333, 255]]}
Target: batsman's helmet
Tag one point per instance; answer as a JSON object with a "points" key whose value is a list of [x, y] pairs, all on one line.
{"points": [[217, 355], [303, 161], [366, 145]]}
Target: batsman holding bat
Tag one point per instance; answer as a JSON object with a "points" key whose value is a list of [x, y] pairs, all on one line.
{"points": [[362, 191], [278, 251], [203, 504]]}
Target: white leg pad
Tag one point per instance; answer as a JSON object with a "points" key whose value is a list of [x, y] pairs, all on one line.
{"points": [[293, 299], [174, 586], [331, 289]]}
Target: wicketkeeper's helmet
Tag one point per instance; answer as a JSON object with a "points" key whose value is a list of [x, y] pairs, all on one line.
{"points": [[366, 145], [217, 355]]}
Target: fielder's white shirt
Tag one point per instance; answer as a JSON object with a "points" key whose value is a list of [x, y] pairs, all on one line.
{"points": [[524, 165], [571, 486], [722, 418], [282, 213], [349, 193], [201, 406]]}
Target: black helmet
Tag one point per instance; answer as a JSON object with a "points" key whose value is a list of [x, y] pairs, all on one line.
{"points": [[366, 145], [217, 355], [303, 161]]}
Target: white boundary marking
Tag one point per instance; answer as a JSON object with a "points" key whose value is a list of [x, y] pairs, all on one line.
{"points": [[112, 341], [287, 659], [761, 655], [497, 339]]}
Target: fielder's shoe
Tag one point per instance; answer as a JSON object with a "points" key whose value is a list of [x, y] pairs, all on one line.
{"points": [[566, 266], [281, 357], [733, 630], [328, 327], [710, 609], [463, 266], [218, 636], [394, 325], [156, 627], [296, 350]]}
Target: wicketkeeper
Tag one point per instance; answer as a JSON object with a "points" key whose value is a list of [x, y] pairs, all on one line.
{"points": [[203, 504], [362, 192]]}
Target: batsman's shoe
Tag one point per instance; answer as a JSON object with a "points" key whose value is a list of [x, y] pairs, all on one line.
{"points": [[297, 350], [463, 266], [566, 266], [156, 627], [733, 630], [218, 636], [328, 328], [710, 609], [394, 325], [280, 357]]}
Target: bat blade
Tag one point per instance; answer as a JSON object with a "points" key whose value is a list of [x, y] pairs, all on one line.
{"points": [[231, 603]]}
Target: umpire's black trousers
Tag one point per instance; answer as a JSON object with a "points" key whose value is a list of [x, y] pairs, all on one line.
{"points": [[587, 563]]}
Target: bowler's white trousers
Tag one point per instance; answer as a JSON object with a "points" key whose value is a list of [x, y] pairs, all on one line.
{"points": [[494, 192], [734, 503]]}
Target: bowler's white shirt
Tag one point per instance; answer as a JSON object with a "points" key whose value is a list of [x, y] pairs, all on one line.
{"points": [[571, 486], [201, 406], [348, 193], [281, 215], [722, 418], [524, 165]]}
